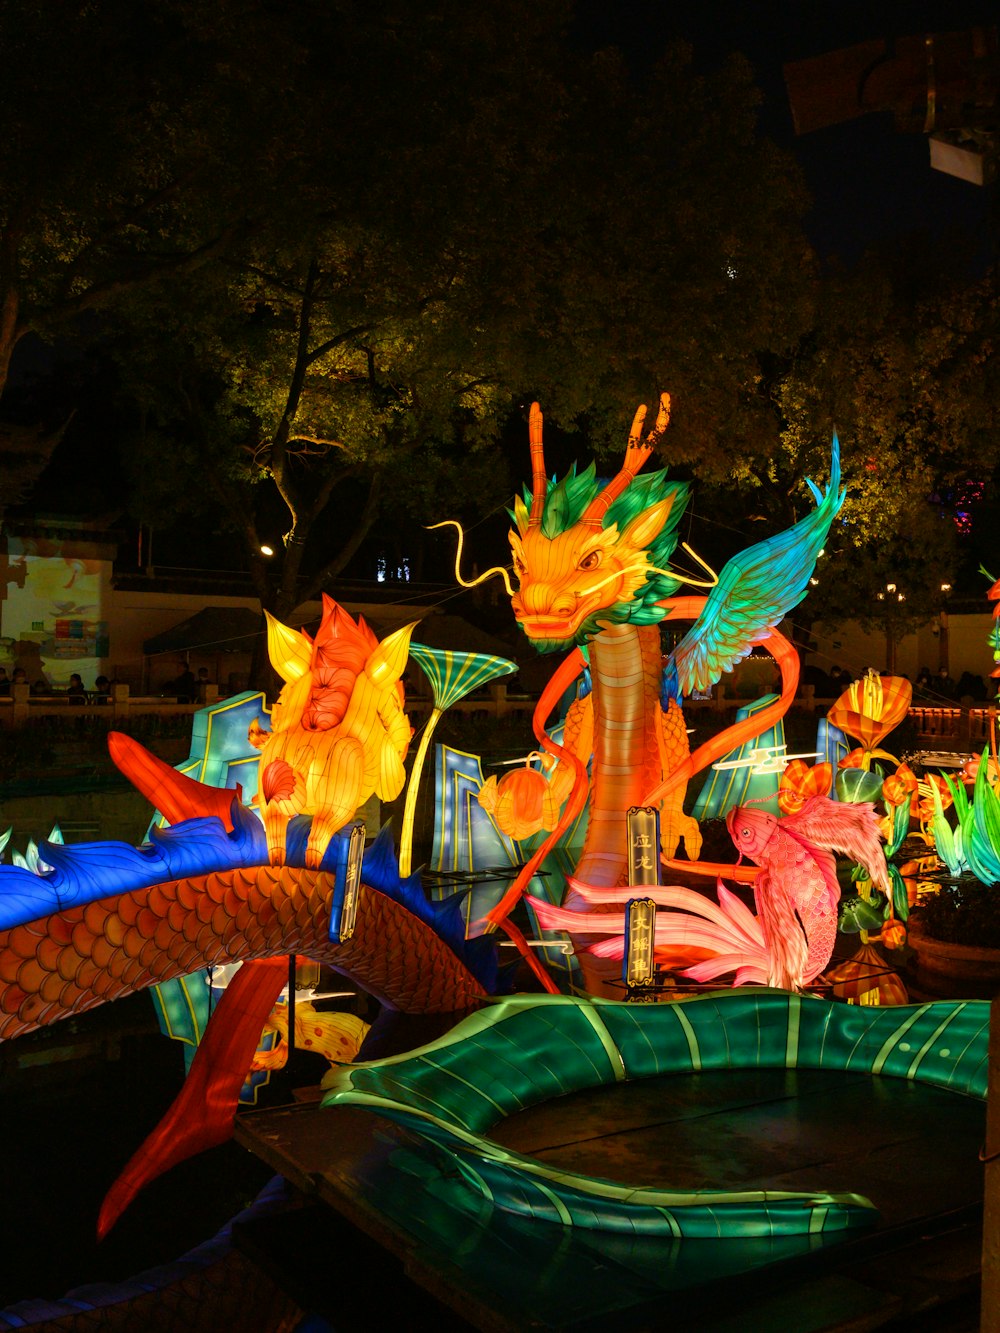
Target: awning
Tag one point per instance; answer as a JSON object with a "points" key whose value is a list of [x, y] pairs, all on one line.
{"points": [[458, 634], [213, 629]]}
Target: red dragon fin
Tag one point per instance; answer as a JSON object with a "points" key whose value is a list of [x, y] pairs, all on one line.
{"points": [[203, 1111], [176, 797]]}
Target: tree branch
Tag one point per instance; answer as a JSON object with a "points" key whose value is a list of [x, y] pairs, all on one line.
{"points": [[326, 488], [102, 292], [338, 340], [363, 526], [129, 219]]}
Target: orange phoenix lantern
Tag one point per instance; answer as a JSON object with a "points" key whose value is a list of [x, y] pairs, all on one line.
{"points": [[338, 729]]}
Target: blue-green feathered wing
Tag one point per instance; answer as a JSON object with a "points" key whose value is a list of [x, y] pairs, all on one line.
{"points": [[755, 590]]}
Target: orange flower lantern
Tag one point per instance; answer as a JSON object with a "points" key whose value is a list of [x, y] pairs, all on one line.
{"points": [[900, 786], [865, 979], [799, 782], [893, 934], [521, 801], [869, 709], [923, 802]]}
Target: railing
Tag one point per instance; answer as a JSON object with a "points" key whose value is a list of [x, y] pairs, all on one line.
{"points": [[955, 727], [21, 706], [964, 728]]}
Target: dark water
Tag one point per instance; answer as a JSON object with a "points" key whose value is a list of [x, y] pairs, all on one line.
{"points": [[76, 1103]]}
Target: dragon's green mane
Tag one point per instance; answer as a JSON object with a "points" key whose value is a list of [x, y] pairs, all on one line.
{"points": [[567, 500]]}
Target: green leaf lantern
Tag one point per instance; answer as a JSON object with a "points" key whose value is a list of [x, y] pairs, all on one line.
{"points": [[982, 839], [858, 914], [948, 841], [900, 828], [900, 903], [854, 784]]}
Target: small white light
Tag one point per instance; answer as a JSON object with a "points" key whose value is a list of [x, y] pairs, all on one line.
{"points": [[946, 587], [267, 550], [890, 587]]}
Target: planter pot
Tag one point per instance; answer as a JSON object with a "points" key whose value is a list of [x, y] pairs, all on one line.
{"points": [[954, 971]]}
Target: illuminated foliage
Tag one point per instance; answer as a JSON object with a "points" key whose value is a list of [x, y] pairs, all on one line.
{"points": [[359, 350]]}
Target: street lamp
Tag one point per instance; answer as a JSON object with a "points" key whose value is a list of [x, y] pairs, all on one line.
{"points": [[893, 594], [943, 645]]}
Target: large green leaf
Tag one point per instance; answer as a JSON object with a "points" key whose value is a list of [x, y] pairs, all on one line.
{"points": [[900, 899], [985, 848], [900, 828], [854, 784], [857, 914], [945, 843]]}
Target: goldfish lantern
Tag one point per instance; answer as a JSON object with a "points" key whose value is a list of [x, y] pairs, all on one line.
{"points": [[797, 891]]}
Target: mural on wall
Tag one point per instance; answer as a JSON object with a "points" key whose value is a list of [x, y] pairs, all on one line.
{"points": [[52, 614]]}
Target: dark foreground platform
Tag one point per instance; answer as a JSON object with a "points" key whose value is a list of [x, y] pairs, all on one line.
{"points": [[390, 1234]]}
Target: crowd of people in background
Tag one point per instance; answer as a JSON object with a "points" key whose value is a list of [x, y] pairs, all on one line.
{"points": [[186, 687], [942, 686], [928, 688]]}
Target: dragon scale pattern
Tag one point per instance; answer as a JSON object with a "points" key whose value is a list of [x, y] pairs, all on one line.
{"points": [[85, 956]]}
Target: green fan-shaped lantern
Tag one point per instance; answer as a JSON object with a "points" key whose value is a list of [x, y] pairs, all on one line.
{"points": [[452, 677]]}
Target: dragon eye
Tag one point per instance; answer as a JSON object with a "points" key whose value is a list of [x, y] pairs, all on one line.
{"points": [[590, 561], [519, 569]]}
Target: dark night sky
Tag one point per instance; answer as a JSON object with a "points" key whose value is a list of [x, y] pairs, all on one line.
{"points": [[868, 182]]}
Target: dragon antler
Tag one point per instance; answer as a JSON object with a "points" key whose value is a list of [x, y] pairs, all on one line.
{"points": [[539, 481], [636, 454]]}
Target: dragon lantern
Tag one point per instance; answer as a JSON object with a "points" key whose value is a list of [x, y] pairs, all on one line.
{"points": [[592, 563]]}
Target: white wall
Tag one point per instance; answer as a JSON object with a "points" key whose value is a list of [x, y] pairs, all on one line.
{"points": [[966, 647]]}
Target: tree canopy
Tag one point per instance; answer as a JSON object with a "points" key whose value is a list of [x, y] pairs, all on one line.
{"points": [[333, 247], [902, 361]]}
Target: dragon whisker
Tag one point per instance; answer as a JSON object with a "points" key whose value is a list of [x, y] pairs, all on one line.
{"points": [[689, 579], [473, 583]]}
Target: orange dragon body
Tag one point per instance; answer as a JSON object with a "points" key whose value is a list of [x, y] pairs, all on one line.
{"points": [[592, 563], [75, 959]]}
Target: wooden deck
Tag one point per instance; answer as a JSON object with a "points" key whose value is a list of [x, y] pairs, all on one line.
{"points": [[413, 1235]]}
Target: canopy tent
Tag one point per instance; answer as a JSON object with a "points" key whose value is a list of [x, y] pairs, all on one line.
{"points": [[460, 635], [213, 629]]}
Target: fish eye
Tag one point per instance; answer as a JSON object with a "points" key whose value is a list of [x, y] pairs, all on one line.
{"points": [[744, 833], [590, 561]]}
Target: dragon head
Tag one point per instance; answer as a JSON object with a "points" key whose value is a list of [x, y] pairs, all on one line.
{"points": [[589, 554]]}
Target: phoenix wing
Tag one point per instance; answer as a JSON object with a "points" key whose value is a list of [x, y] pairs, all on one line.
{"points": [[755, 590]]}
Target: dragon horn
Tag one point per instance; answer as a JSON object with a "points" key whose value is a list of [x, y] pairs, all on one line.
{"points": [[635, 456], [539, 482]]}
